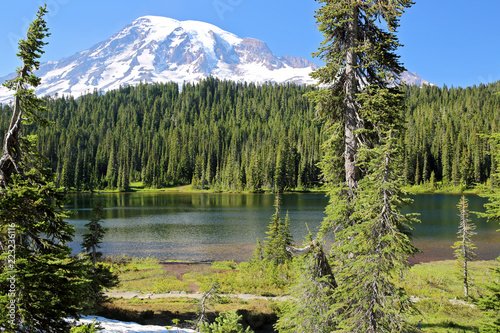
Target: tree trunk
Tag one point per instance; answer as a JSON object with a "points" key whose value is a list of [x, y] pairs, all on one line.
{"points": [[351, 124], [11, 152], [466, 255]]}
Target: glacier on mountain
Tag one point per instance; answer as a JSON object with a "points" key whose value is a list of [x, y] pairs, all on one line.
{"points": [[155, 49], [160, 49]]}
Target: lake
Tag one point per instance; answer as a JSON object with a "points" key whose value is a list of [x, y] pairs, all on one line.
{"points": [[208, 227]]}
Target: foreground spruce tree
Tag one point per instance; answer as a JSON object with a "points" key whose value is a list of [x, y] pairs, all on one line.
{"points": [[312, 306], [362, 107], [40, 283], [490, 301], [279, 237], [464, 248], [92, 239], [100, 275], [372, 254]]}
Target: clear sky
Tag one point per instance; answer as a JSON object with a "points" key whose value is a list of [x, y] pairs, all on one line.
{"points": [[456, 43]]}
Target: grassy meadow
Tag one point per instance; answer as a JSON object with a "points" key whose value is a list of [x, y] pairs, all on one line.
{"points": [[436, 289]]}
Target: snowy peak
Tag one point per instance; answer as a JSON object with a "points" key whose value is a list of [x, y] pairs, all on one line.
{"points": [[160, 49], [412, 78]]}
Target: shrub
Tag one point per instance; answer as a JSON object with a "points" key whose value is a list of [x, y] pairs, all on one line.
{"points": [[227, 322]]}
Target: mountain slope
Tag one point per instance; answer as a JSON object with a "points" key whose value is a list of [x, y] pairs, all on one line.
{"points": [[160, 49]]}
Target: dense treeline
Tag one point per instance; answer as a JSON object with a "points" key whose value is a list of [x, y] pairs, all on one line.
{"points": [[443, 136], [225, 135], [233, 136]]}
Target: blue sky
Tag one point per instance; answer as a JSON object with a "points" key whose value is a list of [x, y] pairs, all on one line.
{"points": [[456, 43]]}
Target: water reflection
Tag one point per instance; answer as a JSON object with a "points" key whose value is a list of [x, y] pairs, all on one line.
{"points": [[226, 226]]}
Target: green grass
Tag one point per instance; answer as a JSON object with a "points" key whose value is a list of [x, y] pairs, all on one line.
{"points": [[139, 187], [434, 284], [442, 279], [146, 275], [440, 188], [440, 316]]}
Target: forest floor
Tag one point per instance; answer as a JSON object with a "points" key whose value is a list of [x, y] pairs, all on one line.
{"points": [[156, 292]]}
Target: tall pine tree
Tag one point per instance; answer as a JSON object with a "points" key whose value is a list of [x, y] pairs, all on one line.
{"points": [[362, 107], [490, 301], [100, 275], [464, 248], [279, 237], [40, 283]]}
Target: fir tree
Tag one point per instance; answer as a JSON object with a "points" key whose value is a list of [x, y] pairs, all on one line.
{"points": [[100, 275], [93, 238], [287, 237], [226, 322], [46, 284], [363, 113], [314, 289], [493, 206], [258, 253], [490, 301], [376, 248], [279, 237], [464, 248], [432, 180]]}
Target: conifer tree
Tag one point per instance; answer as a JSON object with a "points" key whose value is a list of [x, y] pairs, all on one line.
{"points": [[40, 283], [432, 180], [313, 310], [287, 235], [493, 206], [362, 108], [490, 301], [100, 275], [279, 237], [464, 248], [374, 251], [258, 253], [93, 238]]}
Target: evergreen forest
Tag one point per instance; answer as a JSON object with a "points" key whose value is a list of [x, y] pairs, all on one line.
{"points": [[227, 135], [232, 136]]}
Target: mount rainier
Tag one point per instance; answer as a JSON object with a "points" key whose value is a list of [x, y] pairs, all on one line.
{"points": [[160, 49]]}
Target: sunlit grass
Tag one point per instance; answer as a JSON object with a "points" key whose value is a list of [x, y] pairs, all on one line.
{"points": [[433, 284], [439, 279], [439, 315]]}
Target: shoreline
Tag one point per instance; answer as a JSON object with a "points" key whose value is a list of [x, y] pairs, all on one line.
{"points": [[411, 189], [419, 258]]}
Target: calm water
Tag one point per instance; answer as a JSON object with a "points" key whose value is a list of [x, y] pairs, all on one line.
{"points": [[226, 226]]}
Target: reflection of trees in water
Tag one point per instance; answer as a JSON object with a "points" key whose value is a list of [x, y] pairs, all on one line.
{"points": [[182, 225]]}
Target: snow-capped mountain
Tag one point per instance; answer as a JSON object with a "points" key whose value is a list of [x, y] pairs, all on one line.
{"points": [[160, 49], [414, 79]]}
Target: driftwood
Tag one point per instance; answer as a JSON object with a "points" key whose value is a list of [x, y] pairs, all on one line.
{"points": [[302, 250], [207, 296], [321, 267]]}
